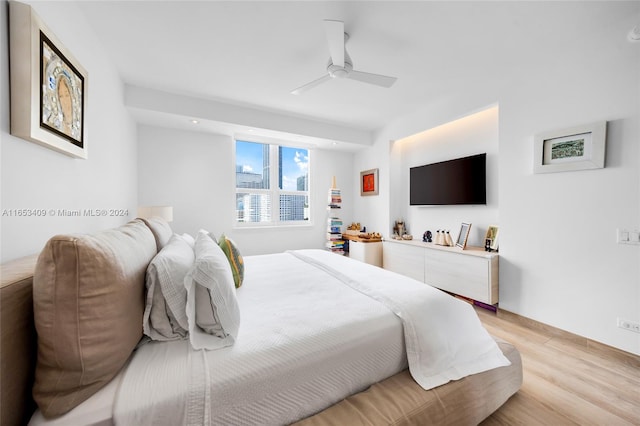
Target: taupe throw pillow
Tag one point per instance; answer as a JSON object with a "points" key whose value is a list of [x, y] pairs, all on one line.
{"points": [[88, 296]]}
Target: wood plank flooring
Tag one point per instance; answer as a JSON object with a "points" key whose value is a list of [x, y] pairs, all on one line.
{"points": [[568, 380]]}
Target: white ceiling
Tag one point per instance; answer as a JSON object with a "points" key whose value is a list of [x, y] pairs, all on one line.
{"points": [[254, 53]]}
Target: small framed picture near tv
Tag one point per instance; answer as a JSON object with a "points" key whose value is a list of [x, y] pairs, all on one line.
{"points": [[463, 235], [369, 182], [48, 86], [491, 238], [576, 148]]}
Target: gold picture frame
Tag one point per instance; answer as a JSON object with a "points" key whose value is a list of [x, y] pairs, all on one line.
{"points": [[48, 86]]}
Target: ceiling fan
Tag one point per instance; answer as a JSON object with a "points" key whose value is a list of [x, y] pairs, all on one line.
{"points": [[340, 64]]}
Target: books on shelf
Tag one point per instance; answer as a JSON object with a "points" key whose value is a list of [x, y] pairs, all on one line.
{"points": [[334, 243], [335, 199], [335, 246]]}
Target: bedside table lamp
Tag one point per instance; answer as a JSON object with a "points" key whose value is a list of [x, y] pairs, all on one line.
{"points": [[147, 212]]}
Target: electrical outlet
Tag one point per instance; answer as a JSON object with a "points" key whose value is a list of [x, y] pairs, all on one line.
{"points": [[629, 325], [624, 236]]}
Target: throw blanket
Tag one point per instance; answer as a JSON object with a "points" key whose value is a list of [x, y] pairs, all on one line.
{"points": [[443, 335]]}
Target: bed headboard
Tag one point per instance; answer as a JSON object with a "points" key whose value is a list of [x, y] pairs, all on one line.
{"points": [[120, 256], [18, 341]]}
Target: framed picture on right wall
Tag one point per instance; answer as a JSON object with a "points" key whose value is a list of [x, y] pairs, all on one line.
{"points": [[575, 148]]}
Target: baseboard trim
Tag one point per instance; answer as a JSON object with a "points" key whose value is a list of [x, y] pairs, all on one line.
{"points": [[589, 344]]}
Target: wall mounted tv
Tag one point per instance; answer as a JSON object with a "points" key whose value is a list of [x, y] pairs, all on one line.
{"points": [[459, 181]]}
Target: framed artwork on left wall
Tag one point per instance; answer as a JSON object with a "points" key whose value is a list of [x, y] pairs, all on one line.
{"points": [[48, 86], [369, 182]]}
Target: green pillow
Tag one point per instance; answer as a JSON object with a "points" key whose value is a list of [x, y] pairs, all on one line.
{"points": [[230, 249]]}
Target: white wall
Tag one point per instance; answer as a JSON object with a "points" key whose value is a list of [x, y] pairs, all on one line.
{"points": [[194, 172], [559, 261], [474, 134], [34, 177], [372, 211]]}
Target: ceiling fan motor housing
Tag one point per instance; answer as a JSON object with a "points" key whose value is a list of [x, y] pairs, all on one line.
{"points": [[336, 71], [339, 72]]}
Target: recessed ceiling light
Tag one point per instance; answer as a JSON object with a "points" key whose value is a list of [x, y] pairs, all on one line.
{"points": [[634, 34], [250, 130], [194, 121], [334, 143]]}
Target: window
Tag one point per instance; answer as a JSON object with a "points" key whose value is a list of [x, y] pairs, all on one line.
{"points": [[272, 184]]}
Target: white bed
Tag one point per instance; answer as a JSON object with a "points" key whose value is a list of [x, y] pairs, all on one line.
{"points": [[315, 328]]}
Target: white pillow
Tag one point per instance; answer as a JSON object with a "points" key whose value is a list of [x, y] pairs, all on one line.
{"points": [[189, 239], [212, 307], [165, 312]]}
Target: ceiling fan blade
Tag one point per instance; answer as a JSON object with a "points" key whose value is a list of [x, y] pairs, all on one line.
{"points": [[311, 85], [335, 38], [377, 79]]}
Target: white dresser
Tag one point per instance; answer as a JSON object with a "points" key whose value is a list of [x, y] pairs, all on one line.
{"points": [[471, 273]]}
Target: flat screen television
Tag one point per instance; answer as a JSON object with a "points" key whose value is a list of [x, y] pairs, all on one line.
{"points": [[459, 181]]}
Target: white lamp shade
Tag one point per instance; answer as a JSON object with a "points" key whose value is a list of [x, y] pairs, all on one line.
{"points": [[147, 212]]}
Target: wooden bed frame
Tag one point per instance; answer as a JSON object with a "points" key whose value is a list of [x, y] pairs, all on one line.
{"points": [[397, 400]]}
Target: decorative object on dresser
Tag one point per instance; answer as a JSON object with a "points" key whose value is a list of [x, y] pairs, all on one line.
{"points": [[399, 229], [576, 148], [427, 237], [369, 182], [353, 229], [48, 86], [448, 240], [463, 235], [443, 238], [491, 238], [334, 243]]}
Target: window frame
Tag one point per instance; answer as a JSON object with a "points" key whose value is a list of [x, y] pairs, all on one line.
{"points": [[274, 191]]}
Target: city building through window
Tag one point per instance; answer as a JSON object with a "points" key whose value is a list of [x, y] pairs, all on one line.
{"points": [[272, 184]]}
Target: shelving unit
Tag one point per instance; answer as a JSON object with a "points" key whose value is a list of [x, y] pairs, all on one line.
{"points": [[334, 243]]}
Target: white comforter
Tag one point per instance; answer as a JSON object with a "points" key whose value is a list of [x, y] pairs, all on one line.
{"points": [[444, 337], [315, 328]]}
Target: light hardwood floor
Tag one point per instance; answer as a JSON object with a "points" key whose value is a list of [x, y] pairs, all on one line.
{"points": [[568, 380]]}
